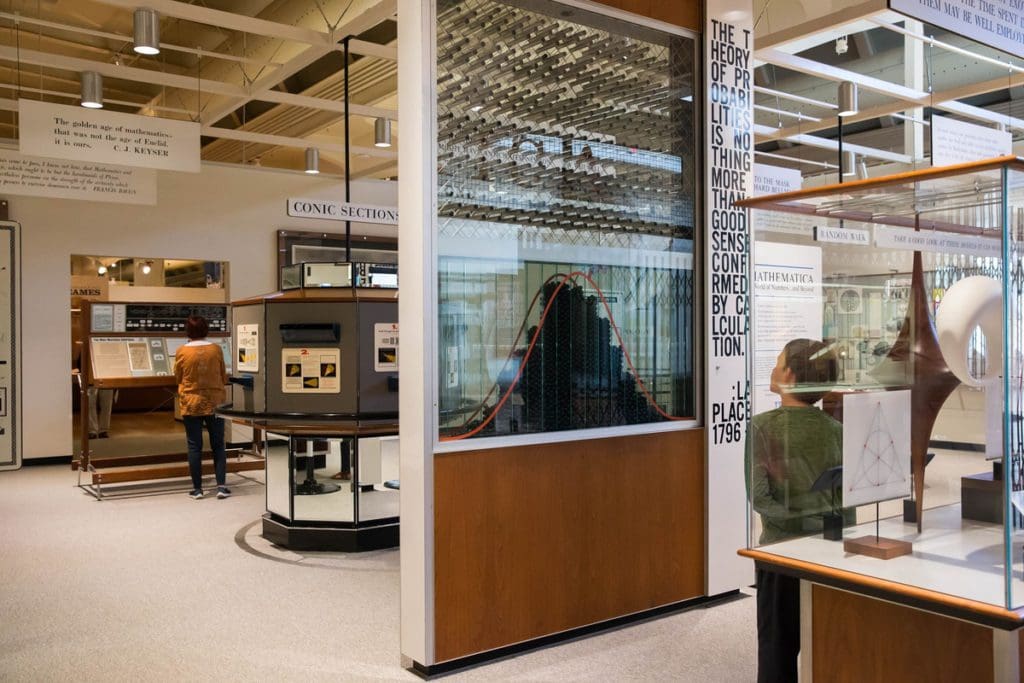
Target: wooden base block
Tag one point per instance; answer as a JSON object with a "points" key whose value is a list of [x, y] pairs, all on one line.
{"points": [[882, 548]]}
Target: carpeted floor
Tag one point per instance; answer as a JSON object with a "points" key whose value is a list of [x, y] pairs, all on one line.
{"points": [[159, 587]]}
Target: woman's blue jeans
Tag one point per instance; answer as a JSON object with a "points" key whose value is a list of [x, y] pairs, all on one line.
{"points": [[194, 436]]}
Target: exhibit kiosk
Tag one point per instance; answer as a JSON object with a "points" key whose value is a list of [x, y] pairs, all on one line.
{"points": [[862, 268], [132, 345], [315, 375]]}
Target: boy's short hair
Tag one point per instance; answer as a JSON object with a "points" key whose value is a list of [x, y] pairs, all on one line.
{"points": [[196, 327], [815, 368]]}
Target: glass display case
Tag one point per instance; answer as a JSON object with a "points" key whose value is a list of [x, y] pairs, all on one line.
{"points": [[330, 491], [566, 204], [887, 337]]}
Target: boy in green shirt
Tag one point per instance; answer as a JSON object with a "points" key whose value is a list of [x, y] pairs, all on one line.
{"points": [[787, 450]]}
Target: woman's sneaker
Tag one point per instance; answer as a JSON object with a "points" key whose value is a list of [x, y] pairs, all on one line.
{"points": [[196, 494], [223, 492]]}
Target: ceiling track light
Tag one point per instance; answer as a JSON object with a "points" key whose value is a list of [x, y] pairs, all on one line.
{"points": [[382, 132], [312, 160], [147, 31], [849, 163], [92, 90], [847, 99], [147, 267]]}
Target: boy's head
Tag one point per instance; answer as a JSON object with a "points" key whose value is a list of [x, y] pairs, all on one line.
{"points": [[196, 327], [805, 364]]}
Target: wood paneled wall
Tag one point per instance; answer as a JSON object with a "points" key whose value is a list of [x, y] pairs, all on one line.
{"points": [[857, 639], [685, 13], [534, 540]]}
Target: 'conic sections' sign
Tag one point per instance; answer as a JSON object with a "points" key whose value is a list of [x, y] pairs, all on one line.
{"points": [[342, 211]]}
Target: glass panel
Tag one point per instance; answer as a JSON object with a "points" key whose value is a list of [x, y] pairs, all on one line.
{"points": [[278, 495], [876, 353], [323, 486], [1013, 385], [565, 220], [377, 501]]}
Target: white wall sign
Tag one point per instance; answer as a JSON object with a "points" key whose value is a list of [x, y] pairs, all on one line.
{"points": [[311, 371], [62, 179], [775, 179], [248, 348], [385, 347], [876, 446], [341, 211], [787, 306], [999, 23], [10, 392], [98, 136], [958, 142], [728, 119], [823, 233], [942, 242]]}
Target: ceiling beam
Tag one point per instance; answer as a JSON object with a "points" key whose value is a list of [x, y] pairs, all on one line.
{"points": [[301, 143], [229, 20], [827, 143], [833, 73]]}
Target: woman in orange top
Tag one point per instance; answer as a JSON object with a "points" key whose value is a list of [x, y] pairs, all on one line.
{"points": [[201, 376]]}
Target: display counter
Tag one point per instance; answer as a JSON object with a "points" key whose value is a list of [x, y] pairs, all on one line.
{"points": [[325, 483]]}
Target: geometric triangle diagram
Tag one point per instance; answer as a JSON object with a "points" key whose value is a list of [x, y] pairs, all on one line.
{"points": [[879, 464], [876, 446]]}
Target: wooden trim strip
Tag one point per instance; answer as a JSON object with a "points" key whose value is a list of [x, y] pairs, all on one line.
{"points": [[934, 601], [772, 201]]}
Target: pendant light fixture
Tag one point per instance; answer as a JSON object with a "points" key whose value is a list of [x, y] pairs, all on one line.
{"points": [[849, 163], [847, 99], [92, 90], [312, 160], [382, 132], [147, 31], [147, 267]]}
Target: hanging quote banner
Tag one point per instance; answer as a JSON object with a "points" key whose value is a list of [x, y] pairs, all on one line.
{"points": [[97, 136], [60, 179], [958, 142], [998, 24]]}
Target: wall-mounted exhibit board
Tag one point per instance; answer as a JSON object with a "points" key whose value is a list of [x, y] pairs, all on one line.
{"points": [[10, 341], [577, 438]]}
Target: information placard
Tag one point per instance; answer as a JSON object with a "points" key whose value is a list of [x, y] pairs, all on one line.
{"points": [[311, 371], [248, 348], [385, 347], [996, 23], [959, 142]]}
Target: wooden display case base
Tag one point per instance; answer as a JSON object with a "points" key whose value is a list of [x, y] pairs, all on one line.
{"points": [[882, 548]]}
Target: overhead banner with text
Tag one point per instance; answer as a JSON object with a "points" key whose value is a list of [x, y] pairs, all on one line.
{"points": [[98, 136], [998, 24], [63, 179]]}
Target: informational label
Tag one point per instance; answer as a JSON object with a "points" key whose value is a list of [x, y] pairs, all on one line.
{"points": [[10, 424], [342, 211], [775, 179], [787, 305], [311, 371], [102, 318], [99, 136], [451, 375], [998, 24], [385, 347], [248, 348], [110, 358], [824, 233], [63, 179], [730, 162], [959, 142], [125, 357], [940, 242], [876, 446], [89, 287]]}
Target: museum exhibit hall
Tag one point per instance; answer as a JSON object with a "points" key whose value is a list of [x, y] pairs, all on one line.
{"points": [[486, 340]]}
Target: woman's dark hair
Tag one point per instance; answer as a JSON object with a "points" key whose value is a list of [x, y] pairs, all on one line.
{"points": [[196, 327], [814, 366]]}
